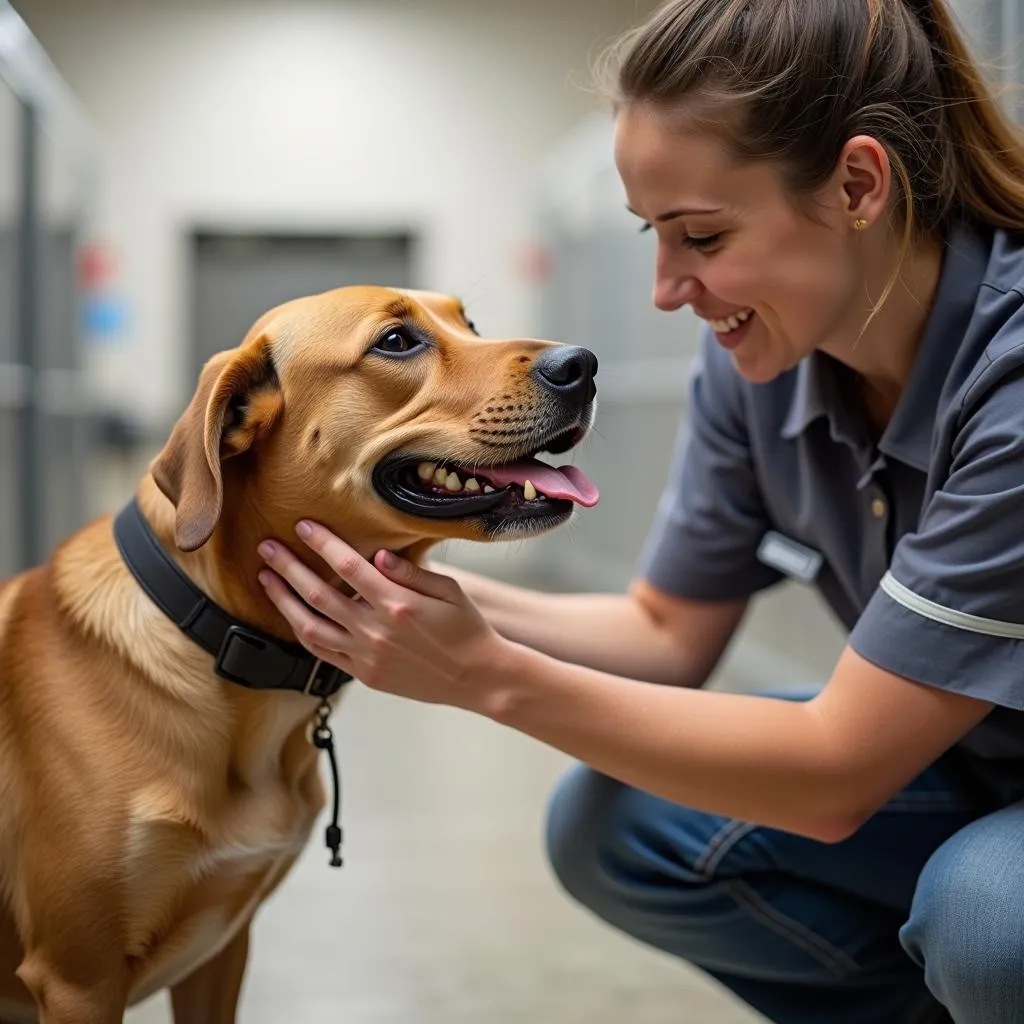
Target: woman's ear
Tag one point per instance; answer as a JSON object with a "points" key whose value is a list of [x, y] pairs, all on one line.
{"points": [[865, 178]]}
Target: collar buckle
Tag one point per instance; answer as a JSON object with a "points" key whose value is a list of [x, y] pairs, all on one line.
{"points": [[241, 649]]}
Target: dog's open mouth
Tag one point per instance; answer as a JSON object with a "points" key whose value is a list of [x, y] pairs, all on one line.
{"points": [[525, 491]]}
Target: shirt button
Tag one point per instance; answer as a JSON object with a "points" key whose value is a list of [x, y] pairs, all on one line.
{"points": [[878, 508]]}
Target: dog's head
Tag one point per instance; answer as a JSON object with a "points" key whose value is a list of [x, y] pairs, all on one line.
{"points": [[385, 416]]}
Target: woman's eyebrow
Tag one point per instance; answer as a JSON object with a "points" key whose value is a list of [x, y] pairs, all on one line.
{"points": [[682, 211]]}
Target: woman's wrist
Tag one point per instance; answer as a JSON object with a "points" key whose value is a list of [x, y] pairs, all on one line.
{"points": [[501, 679]]}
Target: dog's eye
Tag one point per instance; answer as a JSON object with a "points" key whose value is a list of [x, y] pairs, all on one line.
{"points": [[397, 343]]}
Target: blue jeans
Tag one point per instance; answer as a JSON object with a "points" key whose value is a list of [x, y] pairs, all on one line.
{"points": [[918, 917]]}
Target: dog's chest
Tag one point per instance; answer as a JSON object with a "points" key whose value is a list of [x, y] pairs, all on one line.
{"points": [[204, 884]]}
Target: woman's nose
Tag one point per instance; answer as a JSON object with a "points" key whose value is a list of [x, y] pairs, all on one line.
{"points": [[673, 291], [674, 287]]}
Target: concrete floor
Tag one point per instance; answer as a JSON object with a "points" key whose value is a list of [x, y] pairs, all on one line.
{"points": [[445, 912]]}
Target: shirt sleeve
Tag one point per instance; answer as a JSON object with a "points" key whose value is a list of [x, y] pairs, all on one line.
{"points": [[950, 610], [711, 516]]}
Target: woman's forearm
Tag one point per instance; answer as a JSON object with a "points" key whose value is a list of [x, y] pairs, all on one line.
{"points": [[608, 632], [746, 757]]}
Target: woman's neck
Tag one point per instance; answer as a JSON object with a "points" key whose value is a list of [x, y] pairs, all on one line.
{"points": [[882, 356]]}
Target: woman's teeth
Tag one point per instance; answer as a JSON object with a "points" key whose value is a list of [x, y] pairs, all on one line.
{"points": [[732, 322]]}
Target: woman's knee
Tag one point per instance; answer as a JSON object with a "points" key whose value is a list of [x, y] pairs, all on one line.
{"points": [[966, 924], [612, 846], [587, 815]]}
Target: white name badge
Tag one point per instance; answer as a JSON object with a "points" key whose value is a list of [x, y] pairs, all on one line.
{"points": [[789, 556]]}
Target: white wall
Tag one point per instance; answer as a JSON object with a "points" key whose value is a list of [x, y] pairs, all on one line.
{"points": [[982, 20], [336, 115]]}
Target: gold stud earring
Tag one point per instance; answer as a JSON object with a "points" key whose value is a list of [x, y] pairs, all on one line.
{"points": [[860, 224]]}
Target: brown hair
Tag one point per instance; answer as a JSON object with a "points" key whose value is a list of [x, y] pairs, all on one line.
{"points": [[793, 80]]}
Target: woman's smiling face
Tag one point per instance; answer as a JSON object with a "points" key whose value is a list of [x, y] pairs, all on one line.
{"points": [[773, 283]]}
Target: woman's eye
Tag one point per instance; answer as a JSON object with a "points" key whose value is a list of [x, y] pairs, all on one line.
{"points": [[699, 242], [397, 343], [702, 242]]}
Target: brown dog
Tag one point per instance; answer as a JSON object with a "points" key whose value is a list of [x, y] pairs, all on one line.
{"points": [[147, 804]]}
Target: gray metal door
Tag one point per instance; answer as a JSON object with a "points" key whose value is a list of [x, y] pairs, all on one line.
{"points": [[238, 277]]}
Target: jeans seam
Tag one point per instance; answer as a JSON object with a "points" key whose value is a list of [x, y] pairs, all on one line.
{"points": [[747, 898], [720, 844]]}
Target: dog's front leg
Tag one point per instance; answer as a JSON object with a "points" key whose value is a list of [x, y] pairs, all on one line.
{"points": [[65, 994], [209, 995]]}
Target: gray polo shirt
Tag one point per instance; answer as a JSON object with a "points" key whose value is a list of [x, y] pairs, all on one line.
{"points": [[916, 542]]}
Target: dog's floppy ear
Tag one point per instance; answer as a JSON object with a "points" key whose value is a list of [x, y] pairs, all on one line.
{"points": [[238, 399]]}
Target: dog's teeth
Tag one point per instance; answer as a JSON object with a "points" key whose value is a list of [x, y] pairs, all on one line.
{"points": [[529, 491], [452, 482], [425, 471], [488, 489], [472, 484], [440, 476]]}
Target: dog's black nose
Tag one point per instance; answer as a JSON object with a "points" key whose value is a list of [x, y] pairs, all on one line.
{"points": [[568, 370]]}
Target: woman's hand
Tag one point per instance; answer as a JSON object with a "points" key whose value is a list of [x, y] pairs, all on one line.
{"points": [[405, 631]]}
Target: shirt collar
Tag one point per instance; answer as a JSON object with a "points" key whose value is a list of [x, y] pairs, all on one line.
{"points": [[816, 394], [908, 436]]}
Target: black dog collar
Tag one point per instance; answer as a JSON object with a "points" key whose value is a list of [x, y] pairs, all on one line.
{"points": [[243, 655]]}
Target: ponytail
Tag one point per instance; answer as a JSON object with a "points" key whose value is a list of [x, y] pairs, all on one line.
{"points": [[987, 147]]}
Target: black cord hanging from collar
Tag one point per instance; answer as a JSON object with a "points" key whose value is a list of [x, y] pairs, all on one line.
{"points": [[323, 739]]}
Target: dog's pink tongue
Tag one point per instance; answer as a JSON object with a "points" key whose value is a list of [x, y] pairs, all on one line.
{"points": [[566, 482]]}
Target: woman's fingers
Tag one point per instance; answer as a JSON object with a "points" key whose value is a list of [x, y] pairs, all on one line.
{"points": [[337, 658], [410, 575], [311, 629], [317, 593], [350, 566]]}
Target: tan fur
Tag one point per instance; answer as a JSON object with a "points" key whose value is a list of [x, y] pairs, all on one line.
{"points": [[147, 807]]}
